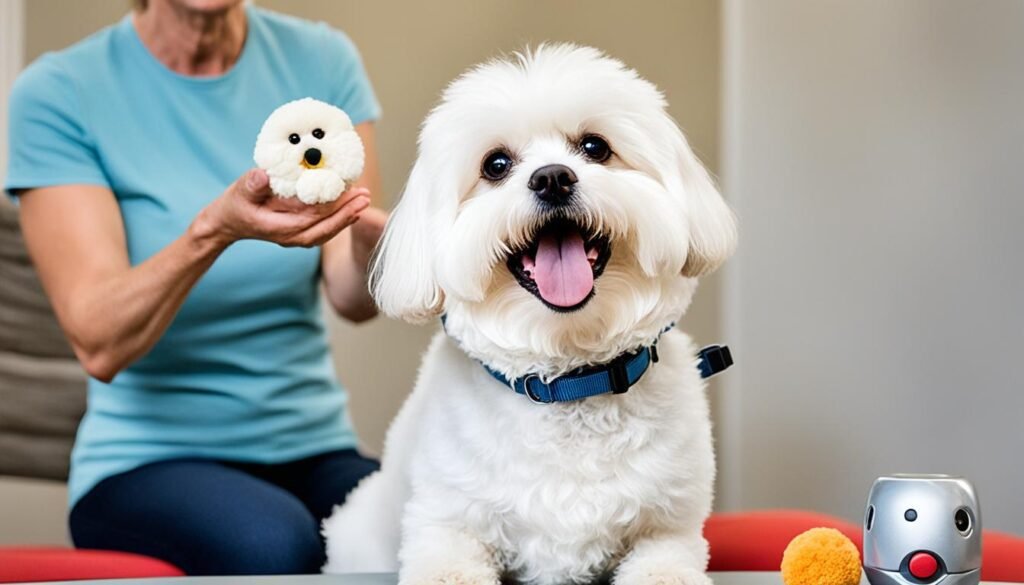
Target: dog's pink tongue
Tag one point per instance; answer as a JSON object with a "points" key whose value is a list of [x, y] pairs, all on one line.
{"points": [[562, 273]]}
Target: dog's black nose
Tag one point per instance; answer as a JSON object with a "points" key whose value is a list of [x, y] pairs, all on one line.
{"points": [[312, 157], [553, 184]]}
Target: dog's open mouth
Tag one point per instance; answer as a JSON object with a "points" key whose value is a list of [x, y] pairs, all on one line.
{"points": [[561, 265]]}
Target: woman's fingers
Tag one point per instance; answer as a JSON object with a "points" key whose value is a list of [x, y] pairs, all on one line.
{"points": [[290, 222], [248, 209], [314, 211], [253, 186], [286, 205], [342, 199], [328, 227], [330, 208]]}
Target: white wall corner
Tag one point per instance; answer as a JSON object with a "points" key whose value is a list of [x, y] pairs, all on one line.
{"points": [[730, 420], [12, 54]]}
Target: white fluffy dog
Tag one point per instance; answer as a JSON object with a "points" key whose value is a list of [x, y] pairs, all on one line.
{"points": [[310, 150], [558, 218]]}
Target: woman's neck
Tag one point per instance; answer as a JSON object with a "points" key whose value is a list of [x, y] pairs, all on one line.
{"points": [[191, 42]]}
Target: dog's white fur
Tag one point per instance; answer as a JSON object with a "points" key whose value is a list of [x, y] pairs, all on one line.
{"points": [[341, 150], [478, 482]]}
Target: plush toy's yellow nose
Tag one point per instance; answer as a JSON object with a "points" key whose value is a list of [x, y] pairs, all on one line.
{"points": [[313, 158]]}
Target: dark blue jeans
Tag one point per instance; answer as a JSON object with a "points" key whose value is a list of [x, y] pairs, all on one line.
{"points": [[220, 518]]}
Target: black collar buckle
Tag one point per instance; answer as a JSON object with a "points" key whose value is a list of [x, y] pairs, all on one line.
{"points": [[714, 359], [618, 375]]}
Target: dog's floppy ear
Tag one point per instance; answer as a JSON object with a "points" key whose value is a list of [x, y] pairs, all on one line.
{"points": [[712, 225], [402, 276]]}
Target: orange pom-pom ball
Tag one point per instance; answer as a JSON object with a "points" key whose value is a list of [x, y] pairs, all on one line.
{"points": [[821, 556]]}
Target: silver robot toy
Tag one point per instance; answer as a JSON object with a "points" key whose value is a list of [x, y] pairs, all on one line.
{"points": [[922, 529]]}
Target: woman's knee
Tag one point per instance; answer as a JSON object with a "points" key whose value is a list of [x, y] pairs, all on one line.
{"points": [[260, 545], [204, 518], [265, 547]]}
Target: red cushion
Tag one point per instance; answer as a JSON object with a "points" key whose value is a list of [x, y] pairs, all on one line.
{"points": [[748, 541], [1002, 557], [755, 541], [26, 565]]}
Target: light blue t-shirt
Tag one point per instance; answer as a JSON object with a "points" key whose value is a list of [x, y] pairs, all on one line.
{"points": [[244, 372]]}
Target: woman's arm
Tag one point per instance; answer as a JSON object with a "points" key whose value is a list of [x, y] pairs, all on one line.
{"points": [[345, 258], [113, 313]]}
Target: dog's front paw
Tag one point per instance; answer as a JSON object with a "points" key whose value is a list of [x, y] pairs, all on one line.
{"points": [[668, 576], [454, 574]]}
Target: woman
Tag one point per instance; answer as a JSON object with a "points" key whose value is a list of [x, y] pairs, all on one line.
{"points": [[216, 435]]}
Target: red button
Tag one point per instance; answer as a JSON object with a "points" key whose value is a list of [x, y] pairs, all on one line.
{"points": [[923, 565]]}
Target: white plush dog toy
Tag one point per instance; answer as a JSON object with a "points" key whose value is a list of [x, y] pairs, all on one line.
{"points": [[310, 150], [558, 219]]}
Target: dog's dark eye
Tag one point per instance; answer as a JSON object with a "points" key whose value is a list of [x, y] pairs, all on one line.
{"points": [[496, 166], [595, 148], [318, 134], [294, 139]]}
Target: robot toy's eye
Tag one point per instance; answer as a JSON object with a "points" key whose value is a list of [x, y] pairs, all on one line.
{"points": [[910, 515], [870, 518], [962, 520], [318, 134], [294, 139]]}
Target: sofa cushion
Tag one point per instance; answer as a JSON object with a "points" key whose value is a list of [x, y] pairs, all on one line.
{"points": [[42, 386], [755, 541], [28, 565]]}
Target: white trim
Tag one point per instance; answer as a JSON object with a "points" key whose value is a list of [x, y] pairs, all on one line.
{"points": [[730, 417], [12, 26]]}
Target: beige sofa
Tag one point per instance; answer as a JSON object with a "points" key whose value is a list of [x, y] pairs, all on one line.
{"points": [[42, 398]]}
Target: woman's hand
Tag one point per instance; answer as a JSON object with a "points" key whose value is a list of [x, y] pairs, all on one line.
{"points": [[249, 210]]}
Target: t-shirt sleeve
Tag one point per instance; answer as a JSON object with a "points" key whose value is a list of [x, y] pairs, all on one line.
{"points": [[351, 89], [48, 143]]}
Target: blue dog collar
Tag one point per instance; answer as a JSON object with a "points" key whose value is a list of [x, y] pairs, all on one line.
{"points": [[614, 377]]}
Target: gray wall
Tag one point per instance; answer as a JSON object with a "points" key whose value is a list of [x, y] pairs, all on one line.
{"points": [[874, 152]]}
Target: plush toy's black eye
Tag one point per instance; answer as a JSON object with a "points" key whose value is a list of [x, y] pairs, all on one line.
{"points": [[496, 166], [294, 139], [318, 134], [595, 148]]}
